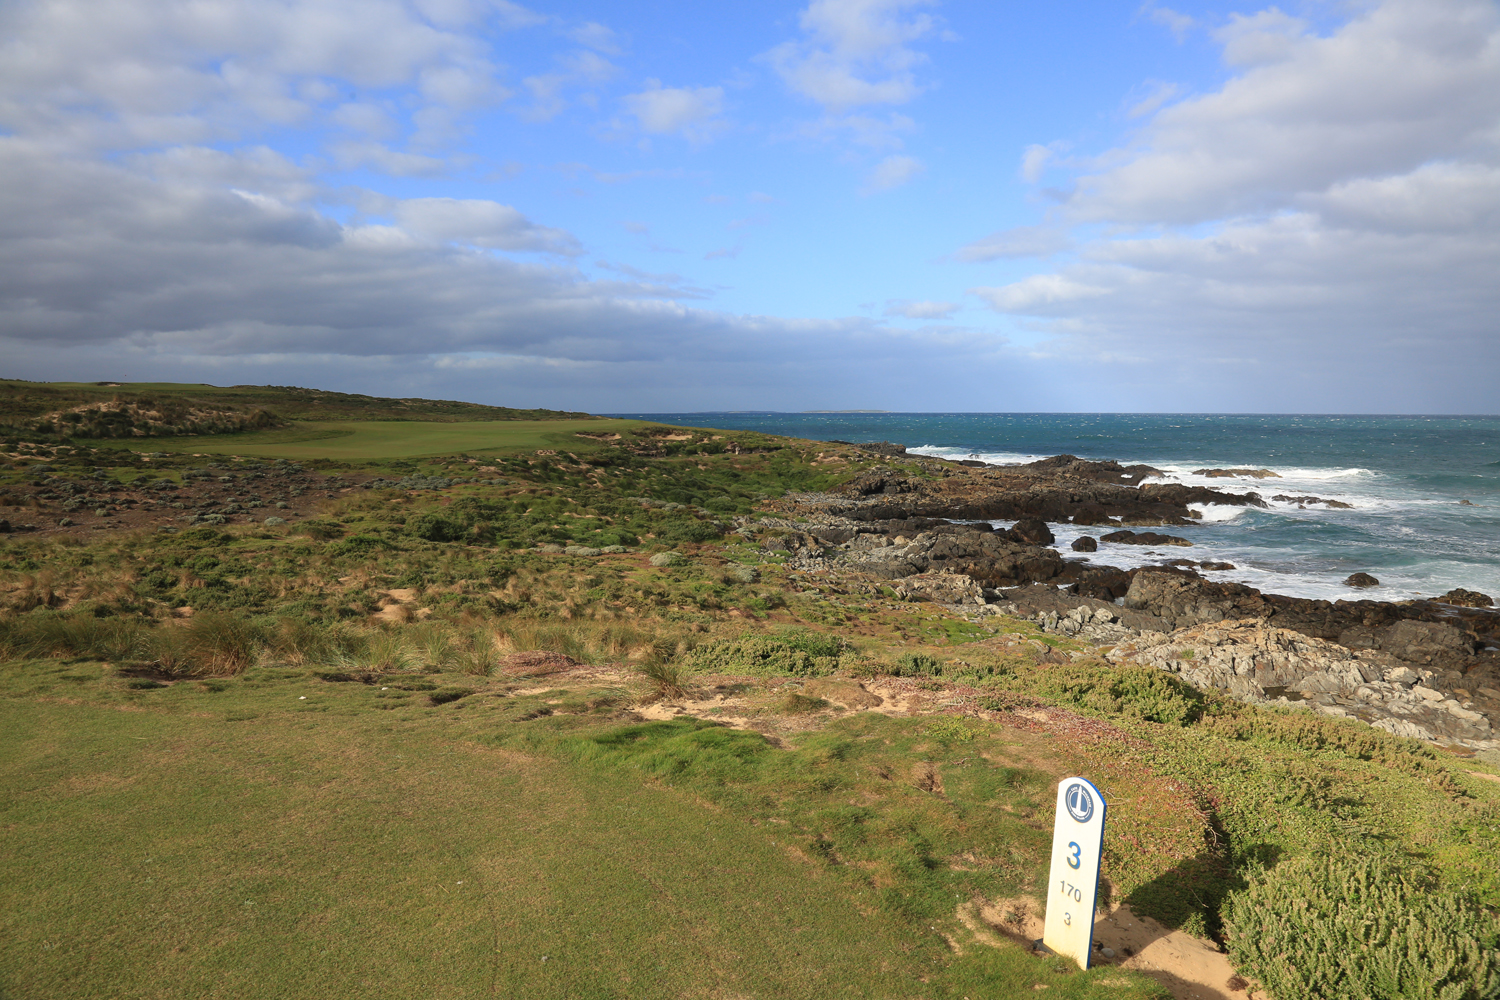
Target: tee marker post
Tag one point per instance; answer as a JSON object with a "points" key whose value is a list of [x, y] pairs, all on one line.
{"points": [[1073, 884]]}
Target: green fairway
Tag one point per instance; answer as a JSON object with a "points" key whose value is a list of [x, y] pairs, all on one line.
{"points": [[281, 837], [371, 440]]}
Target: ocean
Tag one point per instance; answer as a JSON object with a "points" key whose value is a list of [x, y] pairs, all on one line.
{"points": [[1406, 477]]}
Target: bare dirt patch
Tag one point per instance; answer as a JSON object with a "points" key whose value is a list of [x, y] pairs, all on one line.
{"points": [[1188, 967]]}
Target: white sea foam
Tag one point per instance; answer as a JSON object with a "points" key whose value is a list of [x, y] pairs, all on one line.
{"points": [[1217, 512], [988, 457]]}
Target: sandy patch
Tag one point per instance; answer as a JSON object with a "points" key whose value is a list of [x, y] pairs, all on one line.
{"points": [[1481, 774], [1188, 967]]}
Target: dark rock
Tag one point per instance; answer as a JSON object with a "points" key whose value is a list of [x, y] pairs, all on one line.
{"points": [[1182, 495], [1360, 580], [1039, 599], [1190, 600], [1143, 538], [1106, 583], [1085, 543], [1336, 504], [880, 481], [990, 558], [1079, 468], [1216, 565], [1467, 599], [1031, 531], [1091, 514], [883, 448], [1426, 643]]}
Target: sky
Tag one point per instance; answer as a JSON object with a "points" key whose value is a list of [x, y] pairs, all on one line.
{"points": [[661, 206]]}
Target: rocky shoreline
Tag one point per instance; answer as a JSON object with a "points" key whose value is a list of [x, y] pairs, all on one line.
{"points": [[1427, 669]]}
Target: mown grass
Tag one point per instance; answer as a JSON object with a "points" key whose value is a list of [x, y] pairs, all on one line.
{"points": [[368, 440], [278, 836]]}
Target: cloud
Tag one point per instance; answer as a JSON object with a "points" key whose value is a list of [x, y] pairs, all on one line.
{"points": [[1158, 93], [1038, 294], [691, 112], [548, 91], [1178, 24], [132, 74], [855, 52], [1404, 83], [892, 172], [597, 36], [1331, 214], [920, 310], [871, 131], [481, 223], [1021, 241]]}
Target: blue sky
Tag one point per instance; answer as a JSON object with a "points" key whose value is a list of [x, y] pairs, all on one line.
{"points": [[845, 203]]}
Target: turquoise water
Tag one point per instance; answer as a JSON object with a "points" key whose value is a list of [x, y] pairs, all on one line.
{"points": [[1406, 477]]}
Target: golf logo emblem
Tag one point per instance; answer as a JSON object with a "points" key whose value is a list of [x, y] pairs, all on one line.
{"points": [[1079, 802]]}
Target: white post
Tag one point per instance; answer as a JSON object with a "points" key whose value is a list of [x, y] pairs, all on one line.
{"points": [[1073, 886]]}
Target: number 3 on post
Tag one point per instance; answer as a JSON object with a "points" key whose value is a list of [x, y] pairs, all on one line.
{"points": [[1077, 844]]}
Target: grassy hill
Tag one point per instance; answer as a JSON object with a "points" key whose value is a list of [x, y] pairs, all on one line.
{"points": [[165, 409]]}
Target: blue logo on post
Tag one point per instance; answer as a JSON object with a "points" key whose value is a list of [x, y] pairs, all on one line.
{"points": [[1079, 802]]}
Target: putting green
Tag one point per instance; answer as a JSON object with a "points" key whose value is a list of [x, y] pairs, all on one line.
{"points": [[382, 439]]}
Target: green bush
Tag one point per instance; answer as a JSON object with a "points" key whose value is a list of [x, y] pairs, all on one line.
{"points": [[1360, 929], [1139, 692], [436, 528], [795, 654], [916, 665], [677, 532]]}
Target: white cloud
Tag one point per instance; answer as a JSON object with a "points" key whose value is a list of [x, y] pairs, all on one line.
{"points": [[1329, 219], [1157, 93], [1438, 197], [1400, 85], [128, 74], [1260, 39], [1020, 241], [1034, 161], [581, 69], [691, 112], [920, 310], [597, 36], [855, 52], [482, 224], [892, 172], [1038, 294], [1177, 23]]}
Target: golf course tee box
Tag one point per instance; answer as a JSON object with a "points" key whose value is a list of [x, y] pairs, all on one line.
{"points": [[1073, 883]]}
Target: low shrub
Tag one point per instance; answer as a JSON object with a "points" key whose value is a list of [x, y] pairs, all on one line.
{"points": [[916, 665], [1138, 692], [1335, 928], [793, 654]]}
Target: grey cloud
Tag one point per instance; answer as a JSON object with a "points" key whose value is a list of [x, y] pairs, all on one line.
{"points": [[483, 224], [93, 254], [1020, 241]]}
